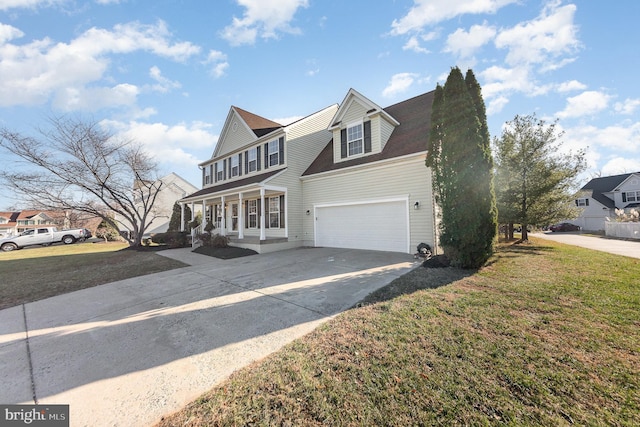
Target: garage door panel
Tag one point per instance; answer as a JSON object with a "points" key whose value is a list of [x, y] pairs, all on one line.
{"points": [[374, 226]]}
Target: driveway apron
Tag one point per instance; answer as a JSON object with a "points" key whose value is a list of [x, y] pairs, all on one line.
{"points": [[129, 352]]}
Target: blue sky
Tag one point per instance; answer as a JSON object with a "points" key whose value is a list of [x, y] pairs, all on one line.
{"points": [[166, 72]]}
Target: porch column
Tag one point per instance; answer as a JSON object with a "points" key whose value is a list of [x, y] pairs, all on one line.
{"points": [[286, 214], [193, 212], [240, 217], [204, 214], [181, 216], [223, 221], [263, 234]]}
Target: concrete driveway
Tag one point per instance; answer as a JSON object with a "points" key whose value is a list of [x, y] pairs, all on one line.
{"points": [[129, 352], [602, 244]]}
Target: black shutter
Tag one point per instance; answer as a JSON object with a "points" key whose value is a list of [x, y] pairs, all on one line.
{"points": [[576, 202], [259, 206], [246, 162], [258, 161], [343, 143], [282, 211], [203, 173], [266, 155], [267, 222], [281, 150], [246, 214], [215, 172], [587, 200], [239, 164], [229, 168], [211, 173], [624, 197], [367, 137]]}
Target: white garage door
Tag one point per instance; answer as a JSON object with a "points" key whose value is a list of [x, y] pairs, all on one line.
{"points": [[381, 226]]}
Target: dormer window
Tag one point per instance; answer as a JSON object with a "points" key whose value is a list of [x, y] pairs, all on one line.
{"points": [[354, 139]]}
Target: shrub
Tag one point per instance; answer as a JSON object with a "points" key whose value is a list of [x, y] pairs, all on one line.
{"points": [[173, 239], [213, 240], [109, 234]]}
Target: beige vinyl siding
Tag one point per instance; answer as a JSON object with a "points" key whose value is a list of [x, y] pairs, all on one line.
{"points": [[402, 178], [386, 129], [233, 141], [305, 141]]}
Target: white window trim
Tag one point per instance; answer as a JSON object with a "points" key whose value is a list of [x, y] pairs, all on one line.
{"points": [[252, 211], [361, 139], [220, 172], [252, 161], [275, 143], [235, 165], [582, 202], [274, 212]]}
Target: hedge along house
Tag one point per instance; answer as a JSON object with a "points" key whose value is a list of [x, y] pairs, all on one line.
{"points": [[349, 176]]}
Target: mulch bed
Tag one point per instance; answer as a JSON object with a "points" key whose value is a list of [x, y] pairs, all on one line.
{"points": [[224, 253], [438, 261]]}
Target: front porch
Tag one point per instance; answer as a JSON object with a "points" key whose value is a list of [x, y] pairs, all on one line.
{"points": [[252, 216]]}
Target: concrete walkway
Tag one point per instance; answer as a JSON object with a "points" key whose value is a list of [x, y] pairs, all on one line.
{"points": [[602, 244], [129, 352]]}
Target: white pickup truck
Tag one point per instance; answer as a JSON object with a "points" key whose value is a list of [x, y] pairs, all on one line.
{"points": [[43, 236]]}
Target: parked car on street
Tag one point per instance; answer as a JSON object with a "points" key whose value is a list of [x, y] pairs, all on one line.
{"points": [[564, 226], [43, 236]]}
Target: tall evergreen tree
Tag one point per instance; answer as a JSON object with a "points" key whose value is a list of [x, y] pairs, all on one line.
{"points": [[174, 221], [460, 158]]}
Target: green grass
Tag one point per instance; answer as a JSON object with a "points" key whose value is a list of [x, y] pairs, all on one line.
{"points": [[41, 272], [546, 335]]}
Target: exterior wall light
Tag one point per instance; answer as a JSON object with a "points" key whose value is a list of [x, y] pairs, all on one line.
{"points": [[308, 212], [416, 205]]}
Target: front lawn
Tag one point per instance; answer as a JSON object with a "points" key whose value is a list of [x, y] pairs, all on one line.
{"points": [[547, 334], [40, 272]]}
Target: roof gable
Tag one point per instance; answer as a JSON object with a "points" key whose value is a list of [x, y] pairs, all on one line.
{"points": [[242, 128], [352, 97], [409, 137], [606, 184]]}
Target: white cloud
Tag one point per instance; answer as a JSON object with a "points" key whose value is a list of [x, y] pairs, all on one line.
{"points": [[628, 106], [399, 83], [219, 61], [264, 18], [542, 40], [430, 12], [571, 86], [166, 142], [163, 84], [287, 120], [7, 33], [35, 72], [95, 98], [465, 43], [414, 45], [620, 165], [496, 105], [27, 4], [587, 103]]}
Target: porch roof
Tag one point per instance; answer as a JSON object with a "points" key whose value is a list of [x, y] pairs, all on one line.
{"points": [[255, 179]]}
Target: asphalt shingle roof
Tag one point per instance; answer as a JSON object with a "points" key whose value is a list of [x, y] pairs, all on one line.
{"points": [[604, 185]]}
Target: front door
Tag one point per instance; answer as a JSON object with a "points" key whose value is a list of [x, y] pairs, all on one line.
{"points": [[232, 217]]}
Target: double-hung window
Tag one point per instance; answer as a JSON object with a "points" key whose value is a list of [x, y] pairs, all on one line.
{"points": [[354, 139], [252, 160], [220, 170], [582, 202], [252, 208], [235, 165], [631, 196], [274, 212], [274, 153]]}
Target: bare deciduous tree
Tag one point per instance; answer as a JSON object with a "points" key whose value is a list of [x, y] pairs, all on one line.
{"points": [[78, 165]]}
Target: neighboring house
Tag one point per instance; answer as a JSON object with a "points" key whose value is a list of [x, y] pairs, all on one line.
{"points": [[12, 223], [173, 188], [351, 175], [600, 197]]}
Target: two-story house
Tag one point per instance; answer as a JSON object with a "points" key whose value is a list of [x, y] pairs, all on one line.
{"points": [[599, 198], [351, 175]]}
